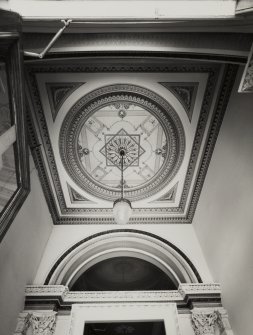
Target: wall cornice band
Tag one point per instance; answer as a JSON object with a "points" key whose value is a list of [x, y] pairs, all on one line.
{"points": [[58, 297]]}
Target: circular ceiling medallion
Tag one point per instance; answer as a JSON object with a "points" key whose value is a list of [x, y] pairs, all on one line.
{"points": [[117, 117]]}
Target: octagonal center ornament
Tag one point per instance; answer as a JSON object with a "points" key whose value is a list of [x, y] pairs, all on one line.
{"points": [[122, 116]]}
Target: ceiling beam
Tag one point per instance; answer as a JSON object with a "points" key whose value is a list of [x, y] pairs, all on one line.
{"points": [[111, 10]]}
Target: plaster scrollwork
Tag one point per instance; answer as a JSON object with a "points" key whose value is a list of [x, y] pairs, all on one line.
{"points": [[203, 323], [43, 324], [211, 322]]}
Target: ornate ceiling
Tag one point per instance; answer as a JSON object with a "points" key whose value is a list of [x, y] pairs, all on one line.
{"points": [[165, 115], [122, 116]]}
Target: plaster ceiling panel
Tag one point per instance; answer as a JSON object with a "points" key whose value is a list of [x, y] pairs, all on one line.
{"points": [[166, 118]]}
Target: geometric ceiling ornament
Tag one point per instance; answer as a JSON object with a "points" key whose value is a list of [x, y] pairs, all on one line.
{"points": [[246, 84], [76, 197], [171, 195], [99, 124], [185, 93], [58, 93], [122, 140], [113, 111]]}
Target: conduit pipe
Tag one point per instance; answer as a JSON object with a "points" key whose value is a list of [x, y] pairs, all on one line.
{"points": [[51, 43]]}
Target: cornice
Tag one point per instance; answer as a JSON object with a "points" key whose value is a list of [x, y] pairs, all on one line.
{"points": [[185, 297]]}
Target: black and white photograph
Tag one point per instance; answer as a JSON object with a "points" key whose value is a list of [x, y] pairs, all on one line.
{"points": [[126, 167]]}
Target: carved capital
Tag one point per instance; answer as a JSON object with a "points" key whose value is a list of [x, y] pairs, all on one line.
{"points": [[43, 324], [204, 323], [211, 322]]}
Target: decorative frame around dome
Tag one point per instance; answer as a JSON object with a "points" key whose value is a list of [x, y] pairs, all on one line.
{"points": [[97, 99], [215, 82]]}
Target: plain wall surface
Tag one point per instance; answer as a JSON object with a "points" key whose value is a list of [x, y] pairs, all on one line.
{"points": [[20, 253], [224, 216]]}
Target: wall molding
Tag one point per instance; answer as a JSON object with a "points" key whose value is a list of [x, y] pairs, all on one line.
{"points": [[59, 297]]}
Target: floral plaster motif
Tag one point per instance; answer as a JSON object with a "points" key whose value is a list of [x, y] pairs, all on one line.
{"points": [[204, 324], [43, 324]]}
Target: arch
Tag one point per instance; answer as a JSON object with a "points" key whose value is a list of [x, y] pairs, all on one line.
{"points": [[123, 242]]}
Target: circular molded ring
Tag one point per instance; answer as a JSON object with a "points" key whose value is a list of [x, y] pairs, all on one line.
{"points": [[146, 99]]}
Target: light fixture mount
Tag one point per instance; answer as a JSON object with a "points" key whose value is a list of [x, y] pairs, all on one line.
{"points": [[122, 208]]}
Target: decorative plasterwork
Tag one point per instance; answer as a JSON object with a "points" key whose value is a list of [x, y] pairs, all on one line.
{"points": [[203, 323], [207, 321], [58, 93], [212, 288], [61, 297], [75, 197], [39, 323], [43, 324], [122, 116], [188, 171], [186, 94], [171, 195], [100, 296], [246, 85]]}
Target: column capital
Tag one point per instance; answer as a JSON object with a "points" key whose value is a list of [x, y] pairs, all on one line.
{"points": [[204, 322], [43, 323]]}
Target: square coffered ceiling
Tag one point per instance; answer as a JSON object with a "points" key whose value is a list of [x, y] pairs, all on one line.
{"points": [[166, 115]]}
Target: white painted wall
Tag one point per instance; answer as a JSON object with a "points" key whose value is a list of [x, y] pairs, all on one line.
{"points": [[20, 253], [62, 324], [63, 237], [224, 217]]}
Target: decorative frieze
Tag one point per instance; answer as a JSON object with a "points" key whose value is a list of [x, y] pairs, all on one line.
{"points": [[97, 296], [66, 295], [46, 290], [186, 297], [123, 296]]}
